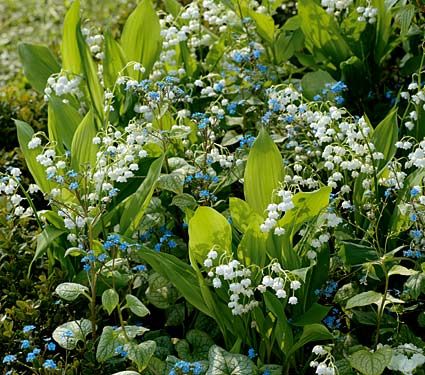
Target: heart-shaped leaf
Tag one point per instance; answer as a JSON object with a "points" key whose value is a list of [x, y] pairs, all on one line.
{"points": [[371, 363]]}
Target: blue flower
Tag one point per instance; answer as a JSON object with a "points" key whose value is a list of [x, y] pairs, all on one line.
{"points": [[338, 87], [339, 100], [73, 185], [9, 358], [28, 328], [25, 344], [267, 372], [120, 350], [139, 268], [72, 173], [157, 247], [30, 357], [51, 346], [49, 363], [251, 353], [415, 191], [153, 95], [317, 97], [172, 244], [204, 194]]}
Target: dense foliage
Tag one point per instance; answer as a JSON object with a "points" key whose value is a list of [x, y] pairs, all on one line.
{"points": [[218, 187]]}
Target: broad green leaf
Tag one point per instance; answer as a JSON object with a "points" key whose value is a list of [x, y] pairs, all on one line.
{"points": [[108, 342], [384, 29], [141, 353], [208, 229], [63, 121], [313, 83], [307, 206], [161, 292], [371, 363], [195, 346], [243, 215], [25, 134], [263, 172], [282, 331], [364, 299], [137, 203], [322, 32], [71, 61], [114, 60], [311, 333], [69, 334], [384, 138], [110, 300], [225, 363], [70, 291], [89, 69], [353, 254], [83, 151], [184, 201], [315, 314], [415, 285], [173, 7], [39, 64], [181, 274], [401, 270], [252, 247], [141, 39], [44, 240], [136, 306]]}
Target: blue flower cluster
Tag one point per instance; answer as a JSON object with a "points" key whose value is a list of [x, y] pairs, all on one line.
{"points": [[160, 238], [183, 367], [411, 253], [34, 352], [332, 92], [333, 320], [328, 291]]}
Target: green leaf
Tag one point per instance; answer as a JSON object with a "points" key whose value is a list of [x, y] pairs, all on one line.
{"points": [[141, 353], [322, 32], [263, 172], [307, 205], [207, 229], [354, 254], [136, 306], [311, 333], [108, 342], [160, 292], [110, 300], [315, 314], [195, 347], [401, 270], [70, 291], [243, 215], [63, 121], [252, 247], [83, 151], [39, 64], [181, 274], [415, 285], [44, 240], [137, 203], [71, 61], [371, 363], [313, 83], [384, 138], [225, 363], [25, 134], [141, 39], [89, 70], [364, 299], [114, 60], [69, 334], [184, 201]]}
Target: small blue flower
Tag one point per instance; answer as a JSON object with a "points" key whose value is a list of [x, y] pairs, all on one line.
{"points": [[120, 350], [49, 363], [414, 191], [9, 358], [28, 328], [25, 344], [157, 247], [51, 346], [251, 353], [73, 185], [30, 357], [172, 244], [139, 268]]}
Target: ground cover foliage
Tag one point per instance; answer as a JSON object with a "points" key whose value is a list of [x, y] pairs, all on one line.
{"points": [[216, 187]]}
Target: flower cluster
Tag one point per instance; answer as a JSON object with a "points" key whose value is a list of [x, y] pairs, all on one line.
{"points": [[407, 358], [242, 282], [275, 210], [324, 362]]}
